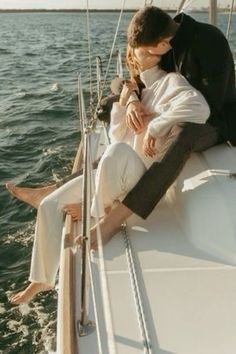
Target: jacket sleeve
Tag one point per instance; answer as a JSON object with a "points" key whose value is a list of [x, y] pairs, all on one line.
{"points": [[185, 104], [118, 128], [216, 67]]}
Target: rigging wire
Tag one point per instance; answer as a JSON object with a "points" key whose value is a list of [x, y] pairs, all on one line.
{"points": [[230, 19], [99, 76], [113, 46], [102, 85], [148, 2], [119, 66], [89, 56], [103, 280], [189, 2], [88, 186], [181, 6], [85, 206]]}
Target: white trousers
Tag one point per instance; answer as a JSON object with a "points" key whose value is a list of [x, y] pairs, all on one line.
{"points": [[118, 171]]}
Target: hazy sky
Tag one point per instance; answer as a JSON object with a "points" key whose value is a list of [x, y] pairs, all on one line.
{"points": [[67, 4]]}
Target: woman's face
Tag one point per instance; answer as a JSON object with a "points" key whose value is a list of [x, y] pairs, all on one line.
{"points": [[145, 59]]}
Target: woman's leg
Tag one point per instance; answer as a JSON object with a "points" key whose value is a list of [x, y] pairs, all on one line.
{"points": [[47, 242], [34, 196], [31, 196], [118, 171]]}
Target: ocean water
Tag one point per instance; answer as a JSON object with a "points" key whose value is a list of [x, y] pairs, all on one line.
{"points": [[40, 57]]}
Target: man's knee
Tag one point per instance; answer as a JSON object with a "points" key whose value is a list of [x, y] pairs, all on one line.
{"points": [[188, 135], [199, 137]]}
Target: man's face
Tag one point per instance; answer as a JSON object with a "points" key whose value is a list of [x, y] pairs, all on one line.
{"points": [[158, 49]]}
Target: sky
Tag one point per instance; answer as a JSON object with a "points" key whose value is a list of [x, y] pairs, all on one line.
{"points": [[98, 4]]}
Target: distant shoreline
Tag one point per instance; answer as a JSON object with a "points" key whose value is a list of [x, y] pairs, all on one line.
{"points": [[69, 10], [203, 10]]}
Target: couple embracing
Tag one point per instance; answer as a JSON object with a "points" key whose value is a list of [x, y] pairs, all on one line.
{"points": [[186, 103]]}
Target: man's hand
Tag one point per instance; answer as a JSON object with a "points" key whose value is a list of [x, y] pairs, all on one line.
{"points": [[149, 145], [135, 115]]}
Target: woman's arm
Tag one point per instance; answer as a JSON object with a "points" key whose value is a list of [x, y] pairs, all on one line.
{"points": [[118, 128]]}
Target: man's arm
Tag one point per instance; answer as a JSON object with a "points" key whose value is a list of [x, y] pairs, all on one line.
{"points": [[185, 104], [216, 68]]}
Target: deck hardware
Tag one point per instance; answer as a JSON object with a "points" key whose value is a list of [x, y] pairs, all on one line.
{"points": [[86, 328]]}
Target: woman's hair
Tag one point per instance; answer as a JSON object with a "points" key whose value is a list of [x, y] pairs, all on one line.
{"points": [[131, 63], [149, 26], [133, 68]]}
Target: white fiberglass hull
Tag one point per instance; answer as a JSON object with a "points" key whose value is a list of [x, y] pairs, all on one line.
{"points": [[185, 257]]}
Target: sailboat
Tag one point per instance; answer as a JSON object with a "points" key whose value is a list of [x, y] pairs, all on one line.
{"points": [[165, 285]]}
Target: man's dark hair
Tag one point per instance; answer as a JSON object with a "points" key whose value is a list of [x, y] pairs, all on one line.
{"points": [[148, 26]]}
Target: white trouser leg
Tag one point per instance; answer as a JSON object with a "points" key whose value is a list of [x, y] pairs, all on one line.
{"points": [[118, 171], [48, 233]]}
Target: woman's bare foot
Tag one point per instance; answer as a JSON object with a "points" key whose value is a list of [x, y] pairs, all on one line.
{"points": [[31, 196], [75, 210], [109, 225], [29, 292]]}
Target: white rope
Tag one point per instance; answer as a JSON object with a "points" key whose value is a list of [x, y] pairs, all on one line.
{"points": [[137, 293], [113, 46], [230, 19]]}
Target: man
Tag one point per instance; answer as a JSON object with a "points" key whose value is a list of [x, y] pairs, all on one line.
{"points": [[201, 53]]}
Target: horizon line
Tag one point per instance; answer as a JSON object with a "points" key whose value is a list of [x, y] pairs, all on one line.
{"points": [[97, 9]]}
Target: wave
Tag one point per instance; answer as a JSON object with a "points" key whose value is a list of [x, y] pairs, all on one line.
{"points": [[4, 51]]}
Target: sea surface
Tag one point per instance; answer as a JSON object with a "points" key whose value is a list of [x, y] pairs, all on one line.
{"points": [[41, 55]]}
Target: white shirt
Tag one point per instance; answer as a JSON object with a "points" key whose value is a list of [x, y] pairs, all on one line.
{"points": [[170, 99]]}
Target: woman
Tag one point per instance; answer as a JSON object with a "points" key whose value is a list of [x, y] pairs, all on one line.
{"points": [[170, 100]]}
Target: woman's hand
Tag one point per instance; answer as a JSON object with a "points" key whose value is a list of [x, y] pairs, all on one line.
{"points": [[149, 143], [128, 87], [135, 117]]}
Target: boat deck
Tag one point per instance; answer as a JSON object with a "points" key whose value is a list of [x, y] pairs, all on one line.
{"points": [[185, 257]]}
